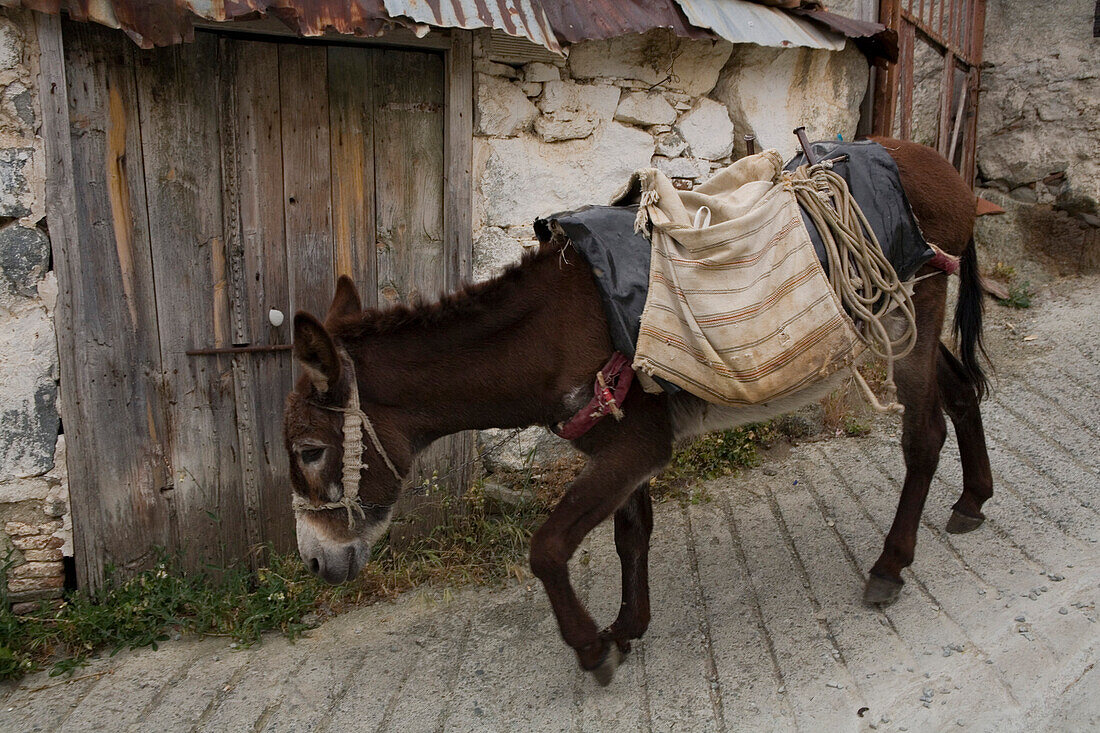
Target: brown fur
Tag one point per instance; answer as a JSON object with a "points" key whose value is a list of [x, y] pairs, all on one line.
{"points": [[518, 351]]}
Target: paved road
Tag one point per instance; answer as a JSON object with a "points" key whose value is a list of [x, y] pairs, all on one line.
{"points": [[757, 621]]}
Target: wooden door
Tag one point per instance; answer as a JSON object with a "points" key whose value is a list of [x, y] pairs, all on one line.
{"points": [[215, 181]]}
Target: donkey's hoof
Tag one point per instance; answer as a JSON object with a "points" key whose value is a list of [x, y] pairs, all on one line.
{"points": [[959, 523], [881, 591], [604, 672]]}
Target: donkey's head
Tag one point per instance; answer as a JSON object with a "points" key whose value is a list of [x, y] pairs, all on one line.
{"points": [[346, 456]]}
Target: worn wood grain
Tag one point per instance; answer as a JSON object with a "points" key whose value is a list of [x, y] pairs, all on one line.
{"points": [[458, 148], [351, 139], [204, 185], [180, 103], [410, 119], [307, 186], [111, 399], [265, 379], [408, 124], [255, 245]]}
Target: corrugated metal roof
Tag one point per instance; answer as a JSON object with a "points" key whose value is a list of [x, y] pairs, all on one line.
{"points": [[520, 18], [575, 21], [739, 21], [547, 23]]}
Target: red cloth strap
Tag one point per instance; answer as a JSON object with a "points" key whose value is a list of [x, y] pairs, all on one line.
{"points": [[943, 261], [612, 384]]}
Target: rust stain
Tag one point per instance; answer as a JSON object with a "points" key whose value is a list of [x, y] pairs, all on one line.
{"points": [[551, 23], [118, 190]]}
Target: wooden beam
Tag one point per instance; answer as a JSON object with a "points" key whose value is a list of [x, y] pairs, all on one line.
{"points": [[458, 150]]}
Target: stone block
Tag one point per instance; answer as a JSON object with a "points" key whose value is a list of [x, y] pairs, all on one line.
{"points": [[654, 58], [639, 108], [48, 556], [502, 109], [495, 250], [670, 144], [11, 45], [24, 258], [18, 101], [21, 529], [573, 111], [503, 500], [539, 72], [522, 178], [15, 187], [36, 570], [708, 130], [20, 586], [771, 91], [37, 542], [693, 168], [28, 401], [485, 66], [531, 447], [531, 88]]}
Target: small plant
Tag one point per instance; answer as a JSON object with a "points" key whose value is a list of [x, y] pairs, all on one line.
{"points": [[854, 428], [1019, 296], [711, 456], [1003, 271], [471, 546]]}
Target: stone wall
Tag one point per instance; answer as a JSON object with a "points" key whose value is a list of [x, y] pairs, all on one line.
{"points": [[555, 136], [34, 522], [1039, 131]]}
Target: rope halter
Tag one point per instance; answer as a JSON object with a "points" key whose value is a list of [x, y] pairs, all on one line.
{"points": [[356, 423]]}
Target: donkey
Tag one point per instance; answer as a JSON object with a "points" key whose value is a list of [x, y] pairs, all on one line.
{"points": [[523, 349]]}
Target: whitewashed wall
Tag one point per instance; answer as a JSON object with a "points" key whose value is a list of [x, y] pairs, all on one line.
{"points": [[34, 520]]}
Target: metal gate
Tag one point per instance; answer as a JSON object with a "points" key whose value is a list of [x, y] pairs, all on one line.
{"points": [[195, 188], [938, 74]]}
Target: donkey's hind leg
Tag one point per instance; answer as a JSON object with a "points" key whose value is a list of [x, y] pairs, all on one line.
{"points": [[960, 401], [923, 434], [633, 526]]}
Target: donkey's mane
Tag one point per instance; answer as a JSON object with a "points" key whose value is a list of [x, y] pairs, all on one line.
{"points": [[470, 301]]}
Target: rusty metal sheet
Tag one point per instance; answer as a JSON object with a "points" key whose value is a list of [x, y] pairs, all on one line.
{"points": [[740, 21], [874, 39], [520, 18], [548, 23], [574, 21]]}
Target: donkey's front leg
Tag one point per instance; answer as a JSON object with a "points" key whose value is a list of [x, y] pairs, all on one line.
{"points": [[606, 482]]}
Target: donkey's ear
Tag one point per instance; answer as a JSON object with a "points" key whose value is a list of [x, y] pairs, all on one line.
{"points": [[346, 301], [315, 350]]}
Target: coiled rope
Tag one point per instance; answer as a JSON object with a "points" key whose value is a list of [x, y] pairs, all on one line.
{"points": [[859, 272]]}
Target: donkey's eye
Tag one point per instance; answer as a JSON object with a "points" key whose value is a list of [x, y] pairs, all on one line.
{"points": [[312, 455]]}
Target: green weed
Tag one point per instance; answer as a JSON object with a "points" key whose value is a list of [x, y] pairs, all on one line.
{"points": [[708, 457], [1019, 296], [240, 604]]}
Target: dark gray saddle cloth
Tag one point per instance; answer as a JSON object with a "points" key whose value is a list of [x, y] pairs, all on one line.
{"points": [[619, 256]]}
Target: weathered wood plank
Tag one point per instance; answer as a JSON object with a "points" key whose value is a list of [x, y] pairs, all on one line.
{"points": [[256, 247], [350, 90], [459, 206], [180, 131], [413, 249], [458, 148], [264, 379], [111, 399], [307, 185], [408, 124]]}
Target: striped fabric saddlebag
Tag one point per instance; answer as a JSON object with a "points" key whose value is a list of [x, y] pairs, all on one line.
{"points": [[739, 310]]}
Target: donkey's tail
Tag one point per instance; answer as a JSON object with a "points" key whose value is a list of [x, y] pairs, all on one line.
{"points": [[968, 320]]}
